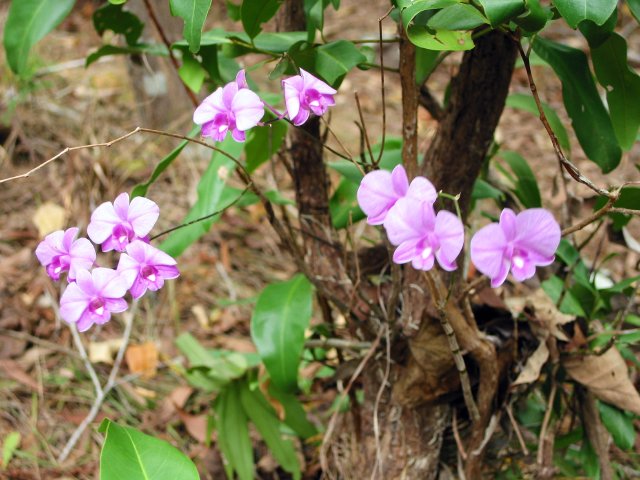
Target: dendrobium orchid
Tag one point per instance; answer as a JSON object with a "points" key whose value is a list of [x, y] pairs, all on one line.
{"points": [[93, 298], [232, 108], [518, 243], [145, 267], [60, 252], [115, 225], [305, 94], [380, 190], [422, 236]]}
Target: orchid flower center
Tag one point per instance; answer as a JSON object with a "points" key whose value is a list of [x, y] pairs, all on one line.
{"points": [[518, 261], [59, 264], [96, 306], [426, 253], [149, 273], [122, 234], [313, 98]]}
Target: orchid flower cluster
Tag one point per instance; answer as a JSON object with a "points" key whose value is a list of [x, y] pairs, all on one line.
{"points": [[518, 243], [235, 108], [95, 292]]}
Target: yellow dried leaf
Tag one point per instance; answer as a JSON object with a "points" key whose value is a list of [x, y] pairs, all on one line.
{"points": [[532, 368], [104, 352], [49, 217], [143, 359]]}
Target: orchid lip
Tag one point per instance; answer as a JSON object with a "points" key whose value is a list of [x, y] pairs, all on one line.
{"points": [[518, 261]]}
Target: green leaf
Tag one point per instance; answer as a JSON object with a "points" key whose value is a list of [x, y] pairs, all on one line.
{"points": [[527, 103], [391, 156], [295, 415], [598, 34], [460, 16], [263, 142], [554, 287], [622, 85], [331, 61], [233, 432], [500, 11], [620, 426], [535, 17], [280, 318], [194, 13], [10, 444], [210, 190], [526, 185], [191, 72], [140, 190], [28, 21], [343, 205], [268, 425], [118, 20], [634, 6], [575, 11], [106, 50], [629, 198], [589, 118], [255, 12], [117, 2], [128, 453], [483, 189], [426, 61]]}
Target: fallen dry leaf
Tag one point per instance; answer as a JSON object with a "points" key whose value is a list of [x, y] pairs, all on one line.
{"points": [[13, 370], [549, 317], [196, 425], [104, 352], [606, 376], [49, 217], [531, 370], [143, 359]]}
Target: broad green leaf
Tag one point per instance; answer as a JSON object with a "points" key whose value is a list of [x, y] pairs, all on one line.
{"points": [[634, 6], [500, 11], [255, 12], [483, 189], [141, 189], [391, 156], [118, 20], [10, 444], [233, 10], [629, 198], [598, 34], [622, 85], [343, 205], [331, 61], [554, 288], [128, 453], [193, 13], [575, 11], [425, 63], [263, 142], [268, 425], [534, 18], [526, 102], [233, 433], [620, 426], [192, 72], [457, 17], [526, 185], [106, 50], [117, 2], [280, 318], [28, 21], [210, 190], [294, 414], [589, 118], [314, 13]]}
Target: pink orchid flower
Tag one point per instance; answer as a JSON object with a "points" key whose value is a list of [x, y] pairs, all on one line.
{"points": [[518, 243], [422, 236], [93, 298], [115, 225], [145, 267], [233, 108], [59, 252], [305, 94], [380, 190]]}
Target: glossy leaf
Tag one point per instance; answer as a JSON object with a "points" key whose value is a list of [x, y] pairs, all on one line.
{"points": [[255, 12], [526, 185], [191, 72], [263, 143], [460, 16], [140, 48], [269, 426], [128, 453], [331, 61], [483, 189], [233, 433], [295, 415], [141, 189], [589, 118], [193, 13], [27, 23], [280, 318], [596, 35], [534, 18], [575, 11], [118, 20], [622, 84], [391, 156], [528, 104], [634, 7], [210, 190], [554, 286], [500, 11], [426, 61]]}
